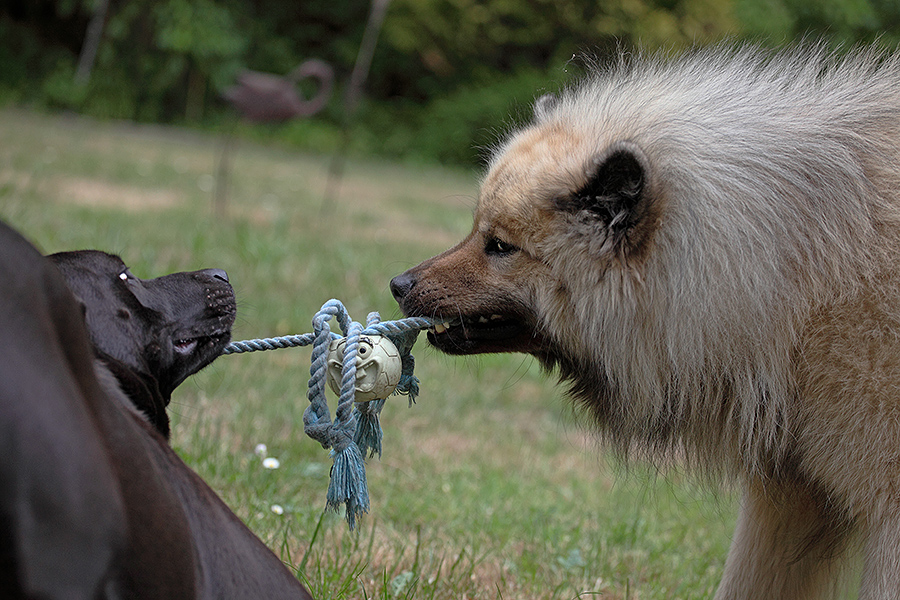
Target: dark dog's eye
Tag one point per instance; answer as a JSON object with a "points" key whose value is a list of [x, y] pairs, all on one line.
{"points": [[498, 246]]}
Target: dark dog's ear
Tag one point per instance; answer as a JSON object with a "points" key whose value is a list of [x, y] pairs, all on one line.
{"points": [[615, 195], [617, 181], [142, 390]]}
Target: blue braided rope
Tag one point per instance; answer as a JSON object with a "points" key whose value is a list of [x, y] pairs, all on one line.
{"points": [[277, 343], [355, 430]]}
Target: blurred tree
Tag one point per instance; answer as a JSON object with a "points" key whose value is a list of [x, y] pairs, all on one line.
{"points": [[840, 21], [158, 59], [155, 60], [91, 42], [453, 41], [445, 68], [199, 43]]}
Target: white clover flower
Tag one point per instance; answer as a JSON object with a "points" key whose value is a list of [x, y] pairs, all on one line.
{"points": [[206, 182], [261, 450], [271, 463], [277, 509]]}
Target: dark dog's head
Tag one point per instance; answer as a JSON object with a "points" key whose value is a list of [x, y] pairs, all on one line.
{"points": [[151, 333]]}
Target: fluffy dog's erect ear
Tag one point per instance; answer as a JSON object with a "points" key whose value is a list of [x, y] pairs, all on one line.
{"points": [[543, 106], [616, 186]]}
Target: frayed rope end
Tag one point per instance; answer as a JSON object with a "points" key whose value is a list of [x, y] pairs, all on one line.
{"points": [[348, 484]]}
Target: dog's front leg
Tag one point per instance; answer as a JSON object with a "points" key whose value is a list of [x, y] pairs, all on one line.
{"points": [[785, 545]]}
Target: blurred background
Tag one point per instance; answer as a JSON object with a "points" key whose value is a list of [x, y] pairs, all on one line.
{"points": [[445, 74]]}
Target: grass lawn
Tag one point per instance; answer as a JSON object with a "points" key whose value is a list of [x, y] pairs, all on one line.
{"points": [[489, 487]]}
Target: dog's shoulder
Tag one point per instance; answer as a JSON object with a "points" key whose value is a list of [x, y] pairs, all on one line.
{"points": [[50, 402]]}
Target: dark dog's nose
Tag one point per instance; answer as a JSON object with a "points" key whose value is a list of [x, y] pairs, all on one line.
{"points": [[217, 273], [401, 284]]}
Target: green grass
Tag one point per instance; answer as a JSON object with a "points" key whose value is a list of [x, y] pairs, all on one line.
{"points": [[488, 488]]}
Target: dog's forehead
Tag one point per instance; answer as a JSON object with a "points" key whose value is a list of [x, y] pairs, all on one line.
{"points": [[90, 261], [98, 258], [537, 165], [113, 261]]}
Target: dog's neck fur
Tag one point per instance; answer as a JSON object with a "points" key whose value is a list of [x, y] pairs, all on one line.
{"points": [[141, 391]]}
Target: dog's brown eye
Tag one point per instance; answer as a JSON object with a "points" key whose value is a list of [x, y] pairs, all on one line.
{"points": [[498, 246]]}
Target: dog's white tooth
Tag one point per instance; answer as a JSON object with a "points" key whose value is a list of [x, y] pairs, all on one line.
{"points": [[496, 317], [440, 328], [482, 319]]}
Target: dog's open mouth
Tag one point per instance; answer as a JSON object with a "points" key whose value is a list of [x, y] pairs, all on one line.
{"points": [[481, 333], [187, 345]]}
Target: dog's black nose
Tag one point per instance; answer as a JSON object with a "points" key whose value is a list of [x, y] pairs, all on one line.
{"points": [[401, 284], [217, 273]]}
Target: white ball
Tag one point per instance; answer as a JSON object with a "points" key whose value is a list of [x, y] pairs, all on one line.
{"points": [[378, 367]]}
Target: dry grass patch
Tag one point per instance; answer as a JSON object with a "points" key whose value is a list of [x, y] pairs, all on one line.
{"points": [[105, 194]]}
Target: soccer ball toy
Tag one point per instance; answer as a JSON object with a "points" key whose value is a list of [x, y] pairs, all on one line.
{"points": [[378, 367]]}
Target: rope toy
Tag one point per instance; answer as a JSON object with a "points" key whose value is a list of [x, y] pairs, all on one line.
{"points": [[364, 367]]}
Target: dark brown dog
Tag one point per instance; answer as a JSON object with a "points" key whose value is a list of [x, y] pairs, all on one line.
{"points": [[93, 501]]}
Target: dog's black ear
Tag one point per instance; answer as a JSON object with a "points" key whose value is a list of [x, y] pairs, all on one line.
{"points": [[617, 184], [141, 390]]}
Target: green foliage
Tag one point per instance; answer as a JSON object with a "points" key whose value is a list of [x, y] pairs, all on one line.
{"points": [[26, 60], [765, 19], [202, 32], [839, 21], [182, 47], [60, 88], [447, 75], [460, 127], [472, 42]]}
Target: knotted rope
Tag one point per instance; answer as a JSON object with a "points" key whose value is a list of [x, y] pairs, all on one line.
{"points": [[356, 430]]}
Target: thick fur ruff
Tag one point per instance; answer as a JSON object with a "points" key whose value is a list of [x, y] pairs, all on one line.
{"points": [[706, 248], [772, 197]]}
